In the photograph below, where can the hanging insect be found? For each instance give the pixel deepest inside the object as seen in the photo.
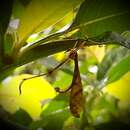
(76, 89)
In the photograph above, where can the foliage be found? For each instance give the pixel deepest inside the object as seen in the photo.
(34, 93)
(35, 29)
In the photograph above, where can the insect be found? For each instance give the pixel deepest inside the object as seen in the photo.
(75, 88)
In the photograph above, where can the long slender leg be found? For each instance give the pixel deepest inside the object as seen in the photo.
(62, 90)
(48, 73)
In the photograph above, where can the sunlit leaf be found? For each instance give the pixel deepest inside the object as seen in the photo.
(43, 13)
(98, 52)
(34, 92)
(62, 23)
(120, 88)
(119, 69)
(59, 56)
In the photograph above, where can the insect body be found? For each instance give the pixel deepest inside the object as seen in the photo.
(76, 93)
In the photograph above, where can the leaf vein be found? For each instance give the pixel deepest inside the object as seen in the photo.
(104, 18)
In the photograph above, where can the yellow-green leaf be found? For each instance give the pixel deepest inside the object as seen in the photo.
(96, 51)
(34, 92)
(43, 13)
(120, 88)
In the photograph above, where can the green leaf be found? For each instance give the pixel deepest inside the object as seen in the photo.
(44, 50)
(60, 102)
(57, 111)
(42, 12)
(99, 16)
(9, 41)
(126, 35)
(63, 22)
(24, 119)
(119, 69)
(64, 79)
(18, 9)
(113, 37)
(37, 90)
(113, 56)
(120, 88)
(53, 121)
